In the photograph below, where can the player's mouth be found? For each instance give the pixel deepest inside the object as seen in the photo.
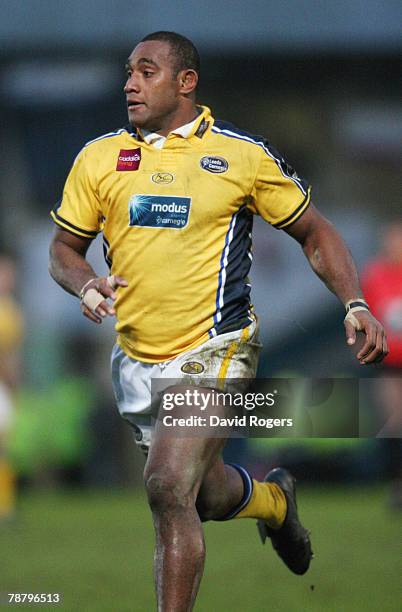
(134, 105)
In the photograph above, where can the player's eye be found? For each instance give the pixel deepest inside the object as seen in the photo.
(128, 73)
(147, 73)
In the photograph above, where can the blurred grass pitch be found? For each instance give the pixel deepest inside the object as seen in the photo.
(96, 549)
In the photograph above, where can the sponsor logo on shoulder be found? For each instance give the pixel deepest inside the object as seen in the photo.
(165, 212)
(129, 159)
(216, 165)
(192, 367)
(162, 178)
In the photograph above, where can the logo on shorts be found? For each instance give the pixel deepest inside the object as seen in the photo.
(192, 367)
(166, 212)
(216, 165)
(162, 178)
(129, 159)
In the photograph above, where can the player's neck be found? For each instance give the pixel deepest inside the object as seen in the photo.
(181, 117)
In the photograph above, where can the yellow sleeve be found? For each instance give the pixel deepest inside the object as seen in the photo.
(79, 210)
(280, 196)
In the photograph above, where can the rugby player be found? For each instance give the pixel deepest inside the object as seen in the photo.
(174, 194)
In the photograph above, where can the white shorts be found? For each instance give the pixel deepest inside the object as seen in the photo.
(233, 355)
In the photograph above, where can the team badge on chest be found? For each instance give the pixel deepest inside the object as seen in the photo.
(162, 178)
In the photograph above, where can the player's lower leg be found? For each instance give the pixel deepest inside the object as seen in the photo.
(272, 502)
(228, 492)
(173, 475)
(180, 549)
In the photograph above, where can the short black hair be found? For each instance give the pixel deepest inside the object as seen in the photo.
(183, 50)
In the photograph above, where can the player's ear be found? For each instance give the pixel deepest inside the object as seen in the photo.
(188, 80)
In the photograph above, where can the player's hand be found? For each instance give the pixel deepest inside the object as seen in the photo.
(93, 306)
(375, 347)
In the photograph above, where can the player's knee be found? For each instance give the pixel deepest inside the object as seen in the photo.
(166, 493)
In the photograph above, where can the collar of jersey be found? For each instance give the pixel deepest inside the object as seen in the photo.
(186, 131)
(183, 130)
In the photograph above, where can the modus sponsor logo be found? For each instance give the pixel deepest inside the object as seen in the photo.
(171, 208)
(129, 159)
(216, 165)
(166, 212)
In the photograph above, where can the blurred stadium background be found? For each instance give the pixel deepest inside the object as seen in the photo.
(322, 81)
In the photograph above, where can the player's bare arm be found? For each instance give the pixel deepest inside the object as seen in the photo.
(332, 262)
(69, 268)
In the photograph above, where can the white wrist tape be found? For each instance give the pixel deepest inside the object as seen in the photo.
(82, 292)
(352, 319)
(354, 306)
(92, 297)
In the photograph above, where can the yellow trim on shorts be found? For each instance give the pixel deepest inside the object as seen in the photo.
(232, 348)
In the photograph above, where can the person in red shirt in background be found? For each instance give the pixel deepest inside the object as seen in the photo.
(382, 287)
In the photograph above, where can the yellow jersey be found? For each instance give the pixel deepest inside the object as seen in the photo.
(177, 225)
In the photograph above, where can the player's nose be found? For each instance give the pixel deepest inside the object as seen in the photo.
(131, 84)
